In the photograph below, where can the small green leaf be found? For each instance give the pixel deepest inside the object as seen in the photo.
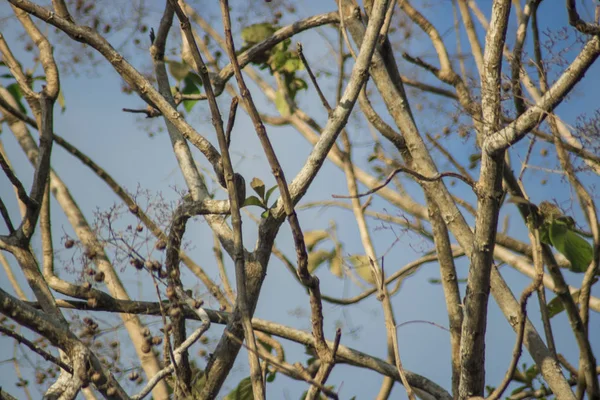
(278, 59)
(243, 391)
(282, 105)
(556, 306)
(271, 376)
(256, 33)
(519, 390)
(265, 214)
(253, 201)
(259, 187)
(291, 65)
(575, 248)
(269, 192)
(15, 91)
(189, 87)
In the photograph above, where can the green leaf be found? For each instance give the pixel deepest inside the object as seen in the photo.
(291, 65)
(282, 105)
(519, 390)
(362, 266)
(312, 238)
(556, 306)
(189, 87)
(256, 33)
(278, 59)
(253, 201)
(575, 248)
(194, 77)
(298, 84)
(316, 258)
(15, 92)
(265, 214)
(269, 193)
(271, 376)
(259, 187)
(243, 391)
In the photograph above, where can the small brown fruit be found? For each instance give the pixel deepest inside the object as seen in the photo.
(156, 340)
(171, 294)
(175, 312)
(69, 243)
(99, 277)
(137, 263)
(96, 376)
(146, 348)
(161, 245)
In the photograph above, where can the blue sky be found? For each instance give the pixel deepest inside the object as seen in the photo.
(118, 141)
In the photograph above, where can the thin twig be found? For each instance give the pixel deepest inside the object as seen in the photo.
(417, 175)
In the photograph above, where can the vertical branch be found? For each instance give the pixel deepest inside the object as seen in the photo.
(450, 285)
(471, 34)
(236, 189)
(310, 281)
(489, 194)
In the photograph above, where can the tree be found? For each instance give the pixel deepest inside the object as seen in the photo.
(458, 142)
